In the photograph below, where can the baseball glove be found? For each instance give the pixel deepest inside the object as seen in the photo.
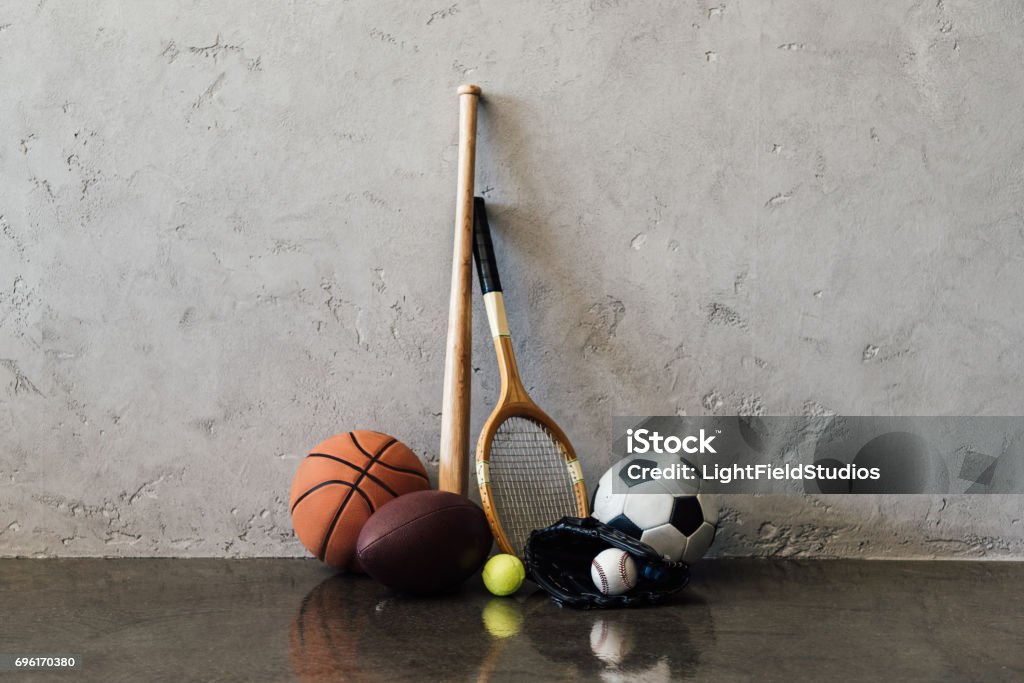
(559, 556)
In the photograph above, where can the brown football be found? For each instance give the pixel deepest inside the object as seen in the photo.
(424, 542)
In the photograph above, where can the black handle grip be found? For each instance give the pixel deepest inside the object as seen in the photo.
(483, 249)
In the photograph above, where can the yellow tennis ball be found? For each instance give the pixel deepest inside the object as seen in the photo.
(503, 618)
(504, 574)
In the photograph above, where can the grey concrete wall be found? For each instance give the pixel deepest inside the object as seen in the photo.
(225, 234)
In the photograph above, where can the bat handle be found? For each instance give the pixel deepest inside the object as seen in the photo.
(453, 474)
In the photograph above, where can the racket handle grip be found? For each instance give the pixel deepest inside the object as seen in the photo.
(483, 249)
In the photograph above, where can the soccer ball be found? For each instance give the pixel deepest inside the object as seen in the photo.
(672, 517)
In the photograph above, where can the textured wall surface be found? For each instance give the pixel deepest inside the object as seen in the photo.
(225, 235)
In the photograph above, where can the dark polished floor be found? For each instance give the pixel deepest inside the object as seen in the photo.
(281, 620)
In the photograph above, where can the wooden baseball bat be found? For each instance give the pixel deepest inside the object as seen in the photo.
(454, 452)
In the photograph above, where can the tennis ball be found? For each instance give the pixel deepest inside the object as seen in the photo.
(504, 574)
(503, 618)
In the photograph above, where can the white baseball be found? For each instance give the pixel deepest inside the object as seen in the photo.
(613, 571)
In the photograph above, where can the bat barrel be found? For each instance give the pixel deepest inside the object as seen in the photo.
(454, 449)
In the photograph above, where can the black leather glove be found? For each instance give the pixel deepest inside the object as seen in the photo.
(558, 559)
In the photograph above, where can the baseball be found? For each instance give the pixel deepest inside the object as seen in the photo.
(613, 571)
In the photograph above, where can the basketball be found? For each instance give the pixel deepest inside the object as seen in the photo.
(341, 483)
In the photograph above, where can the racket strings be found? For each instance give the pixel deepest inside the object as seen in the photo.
(531, 483)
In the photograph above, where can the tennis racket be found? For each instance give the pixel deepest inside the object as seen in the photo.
(527, 471)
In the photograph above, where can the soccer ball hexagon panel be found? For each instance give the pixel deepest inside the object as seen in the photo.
(648, 510)
(667, 540)
(680, 526)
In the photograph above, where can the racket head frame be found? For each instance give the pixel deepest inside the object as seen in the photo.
(531, 411)
(514, 401)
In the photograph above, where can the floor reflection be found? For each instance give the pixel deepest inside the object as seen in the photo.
(653, 643)
(279, 620)
(346, 629)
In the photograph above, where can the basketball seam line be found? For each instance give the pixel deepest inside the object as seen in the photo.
(600, 572)
(299, 622)
(365, 452)
(407, 470)
(355, 487)
(326, 483)
(379, 463)
(356, 468)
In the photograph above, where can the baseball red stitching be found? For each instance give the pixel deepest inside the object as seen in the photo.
(600, 572)
(622, 569)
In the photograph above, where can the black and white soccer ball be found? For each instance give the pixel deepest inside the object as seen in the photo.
(673, 517)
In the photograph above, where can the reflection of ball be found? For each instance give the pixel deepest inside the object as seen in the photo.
(324, 634)
(504, 574)
(611, 641)
(639, 644)
(613, 571)
(503, 618)
(350, 629)
(680, 526)
(341, 483)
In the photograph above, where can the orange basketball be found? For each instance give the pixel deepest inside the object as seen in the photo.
(341, 483)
